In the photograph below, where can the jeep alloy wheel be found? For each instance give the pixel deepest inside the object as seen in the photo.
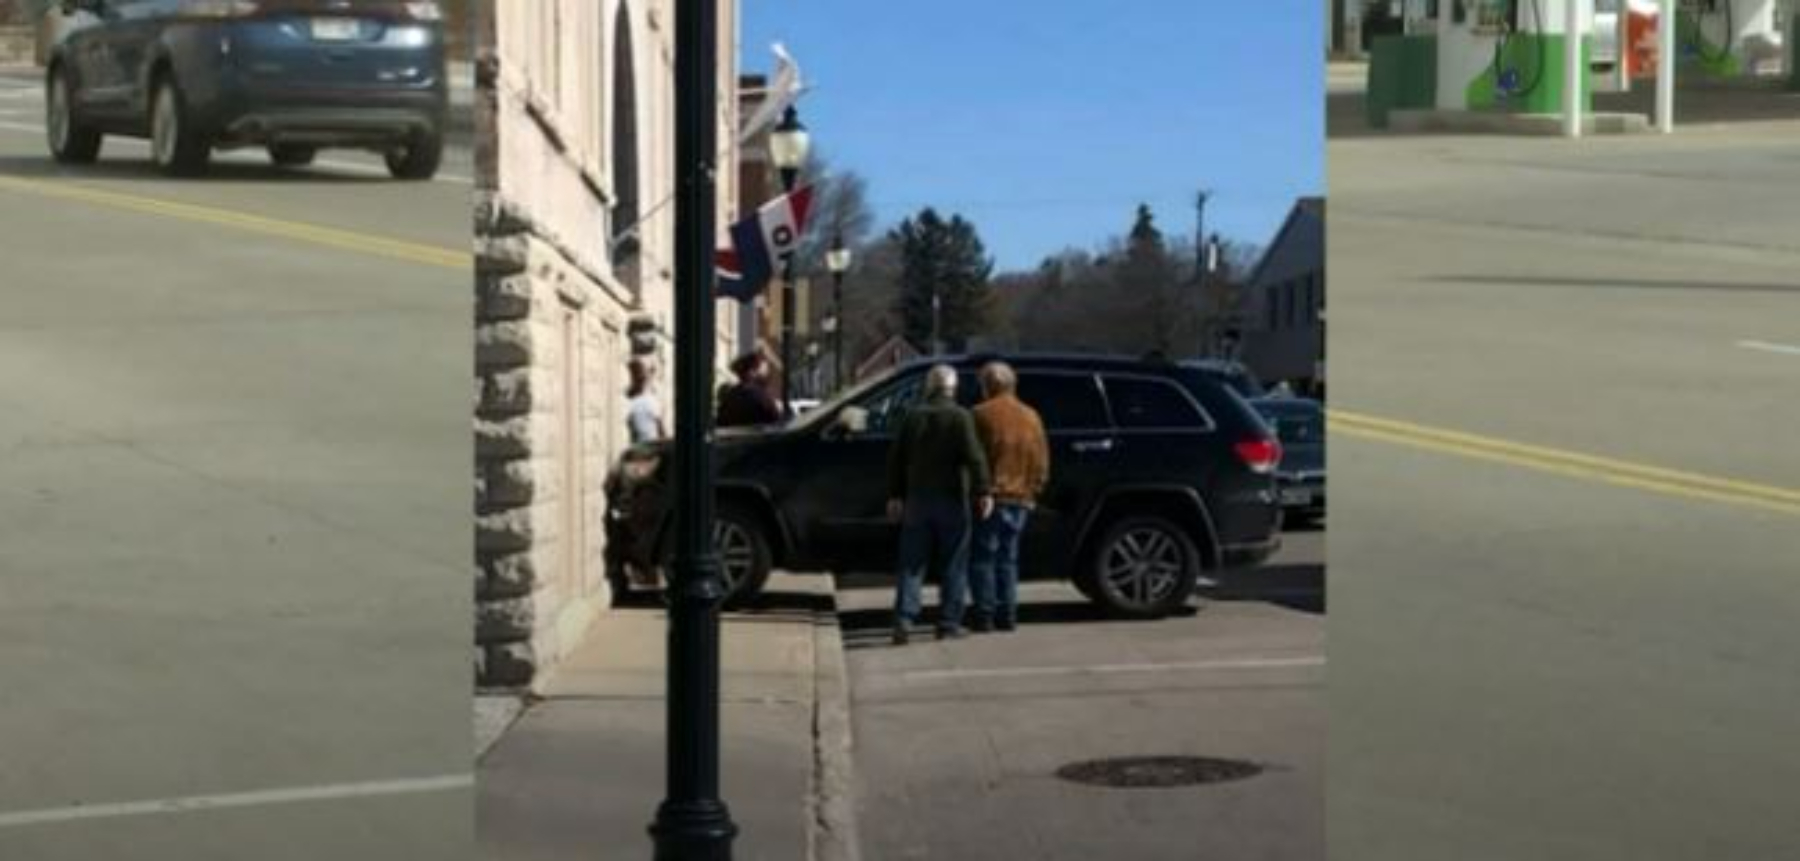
(1145, 567)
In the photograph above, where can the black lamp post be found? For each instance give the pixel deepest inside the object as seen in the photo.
(838, 260)
(693, 823)
(789, 144)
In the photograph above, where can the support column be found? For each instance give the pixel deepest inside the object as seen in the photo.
(1575, 69)
(1666, 59)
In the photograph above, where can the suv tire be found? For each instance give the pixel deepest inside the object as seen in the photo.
(418, 158)
(1143, 567)
(176, 145)
(292, 155)
(71, 141)
(745, 556)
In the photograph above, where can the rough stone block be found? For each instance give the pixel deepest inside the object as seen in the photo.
(505, 621)
(510, 343)
(518, 390)
(508, 665)
(503, 297)
(513, 575)
(521, 482)
(513, 437)
(514, 530)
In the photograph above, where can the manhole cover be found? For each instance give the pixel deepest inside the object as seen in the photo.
(1158, 771)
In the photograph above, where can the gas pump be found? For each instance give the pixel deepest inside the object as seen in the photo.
(1727, 38)
(1504, 55)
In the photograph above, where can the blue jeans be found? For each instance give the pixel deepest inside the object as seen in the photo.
(934, 534)
(994, 575)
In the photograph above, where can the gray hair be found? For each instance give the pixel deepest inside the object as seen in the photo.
(998, 378)
(940, 380)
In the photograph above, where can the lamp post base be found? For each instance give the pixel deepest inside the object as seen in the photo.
(693, 831)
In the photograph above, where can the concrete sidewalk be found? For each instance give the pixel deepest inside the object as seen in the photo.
(579, 772)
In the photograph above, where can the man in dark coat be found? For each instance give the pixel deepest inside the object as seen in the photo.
(936, 470)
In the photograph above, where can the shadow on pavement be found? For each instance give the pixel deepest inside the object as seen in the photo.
(773, 606)
(1296, 587)
(141, 170)
(871, 628)
(1619, 283)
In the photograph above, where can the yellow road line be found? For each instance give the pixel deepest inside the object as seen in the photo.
(1646, 471)
(312, 234)
(1567, 464)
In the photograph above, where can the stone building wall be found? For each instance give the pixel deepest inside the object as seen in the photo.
(561, 306)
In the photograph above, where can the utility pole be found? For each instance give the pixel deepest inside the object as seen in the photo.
(1202, 258)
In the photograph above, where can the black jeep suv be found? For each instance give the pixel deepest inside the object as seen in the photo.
(1158, 472)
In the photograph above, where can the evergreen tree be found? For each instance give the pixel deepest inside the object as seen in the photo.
(946, 260)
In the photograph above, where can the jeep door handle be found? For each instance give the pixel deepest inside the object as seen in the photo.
(1088, 446)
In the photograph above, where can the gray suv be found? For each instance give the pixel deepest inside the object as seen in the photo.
(292, 76)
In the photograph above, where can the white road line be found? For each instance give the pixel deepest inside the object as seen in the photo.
(1765, 346)
(260, 798)
(1119, 669)
(334, 164)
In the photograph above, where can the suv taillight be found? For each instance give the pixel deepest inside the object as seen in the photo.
(1260, 454)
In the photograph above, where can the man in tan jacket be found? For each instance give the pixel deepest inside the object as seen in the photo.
(1018, 454)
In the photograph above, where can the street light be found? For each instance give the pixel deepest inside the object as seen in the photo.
(693, 822)
(789, 145)
(838, 260)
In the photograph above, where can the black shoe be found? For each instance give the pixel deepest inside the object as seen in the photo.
(902, 636)
(1007, 625)
(951, 633)
(980, 625)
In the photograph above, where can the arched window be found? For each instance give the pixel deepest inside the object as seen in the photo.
(625, 211)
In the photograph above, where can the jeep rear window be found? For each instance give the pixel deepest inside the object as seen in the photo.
(1146, 403)
(1064, 401)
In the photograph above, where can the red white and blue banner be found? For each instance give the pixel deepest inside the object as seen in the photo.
(760, 245)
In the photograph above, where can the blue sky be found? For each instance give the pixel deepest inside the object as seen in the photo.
(1046, 122)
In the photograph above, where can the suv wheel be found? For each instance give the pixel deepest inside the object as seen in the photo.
(71, 142)
(745, 557)
(418, 158)
(292, 155)
(177, 146)
(1144, 567)
(744, 554)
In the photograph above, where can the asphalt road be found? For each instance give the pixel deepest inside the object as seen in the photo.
(234, 459)
(957, 744)
(1565, 496)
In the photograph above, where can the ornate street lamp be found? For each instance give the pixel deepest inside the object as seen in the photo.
(838, 260)
(693, 822)
(789, 144)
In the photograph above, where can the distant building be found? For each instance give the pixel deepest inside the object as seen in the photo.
(1283, 316)
(892, 353)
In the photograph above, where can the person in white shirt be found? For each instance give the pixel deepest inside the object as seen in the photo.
(643, 412)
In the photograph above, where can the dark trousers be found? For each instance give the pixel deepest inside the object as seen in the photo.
(934, 535)
(994, 575)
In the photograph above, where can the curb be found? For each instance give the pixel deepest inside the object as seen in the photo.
(832, 834)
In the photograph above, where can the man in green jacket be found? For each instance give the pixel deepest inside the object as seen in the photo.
(936, 468)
